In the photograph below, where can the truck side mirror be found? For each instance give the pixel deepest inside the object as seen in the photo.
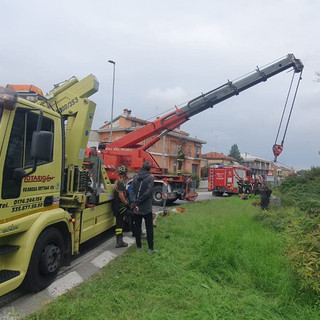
(19, 173)
(42, 145)
(41, 150)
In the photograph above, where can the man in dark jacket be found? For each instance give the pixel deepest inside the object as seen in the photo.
(141, 197)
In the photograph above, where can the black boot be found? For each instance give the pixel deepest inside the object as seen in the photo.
(120, 242)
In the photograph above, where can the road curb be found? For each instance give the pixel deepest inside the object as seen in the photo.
(69, 277)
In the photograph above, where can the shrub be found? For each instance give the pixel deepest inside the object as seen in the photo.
(299, 220)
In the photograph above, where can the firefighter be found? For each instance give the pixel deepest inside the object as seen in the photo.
(247, 187)
(120, 205)
(180, 159)
(240, 186)
(255, 187)
(265, 194)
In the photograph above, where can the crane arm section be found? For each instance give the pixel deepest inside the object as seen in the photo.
(230, 89)
(208, 100)
(71, 101)
(168, 122)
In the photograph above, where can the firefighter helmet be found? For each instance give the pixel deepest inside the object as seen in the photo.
(122, 170)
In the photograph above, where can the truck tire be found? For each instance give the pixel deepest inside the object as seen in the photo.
(157, 196)
(46, 260)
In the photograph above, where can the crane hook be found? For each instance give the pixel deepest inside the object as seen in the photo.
(277, 149)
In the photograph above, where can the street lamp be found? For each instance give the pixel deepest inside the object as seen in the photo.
(114, 75)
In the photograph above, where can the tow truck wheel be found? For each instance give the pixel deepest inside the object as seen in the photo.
(157, 196)
(46, 260)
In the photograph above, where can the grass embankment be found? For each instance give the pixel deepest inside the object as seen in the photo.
(215, 262)
(298, 220)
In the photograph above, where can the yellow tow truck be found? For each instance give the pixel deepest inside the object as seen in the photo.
(50, 202)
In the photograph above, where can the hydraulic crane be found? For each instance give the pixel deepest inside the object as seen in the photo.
(128, 151)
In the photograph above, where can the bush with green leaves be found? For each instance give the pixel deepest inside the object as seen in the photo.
(299, 221)
(303, 189)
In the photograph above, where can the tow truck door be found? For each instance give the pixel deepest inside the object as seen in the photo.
(21, 197)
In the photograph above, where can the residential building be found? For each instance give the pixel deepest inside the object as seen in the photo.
(164, 151)
(257, 165)
(277, 174)
(218, 158)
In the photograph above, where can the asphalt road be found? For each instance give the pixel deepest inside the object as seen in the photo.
(95, 254)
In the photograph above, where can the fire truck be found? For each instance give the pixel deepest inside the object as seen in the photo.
(224, 179)
(50, 201)
(129, 150)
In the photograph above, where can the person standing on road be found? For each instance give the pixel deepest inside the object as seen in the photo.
(141, 197)
(120, 205)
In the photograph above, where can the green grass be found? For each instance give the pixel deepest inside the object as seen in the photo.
(298, 220)
(215, 262)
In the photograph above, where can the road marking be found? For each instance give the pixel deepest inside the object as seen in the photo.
(62, 285)
(103, 259)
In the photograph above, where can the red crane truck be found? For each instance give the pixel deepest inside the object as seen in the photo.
(128, 149)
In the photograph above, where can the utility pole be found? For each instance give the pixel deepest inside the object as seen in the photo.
(114, 76)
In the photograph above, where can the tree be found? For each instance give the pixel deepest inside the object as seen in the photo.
(235, 153)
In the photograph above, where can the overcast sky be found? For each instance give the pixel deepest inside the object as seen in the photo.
(168, 52)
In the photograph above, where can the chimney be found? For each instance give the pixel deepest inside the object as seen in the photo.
(126, 112)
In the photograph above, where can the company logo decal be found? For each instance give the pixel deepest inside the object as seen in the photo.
(38, 178)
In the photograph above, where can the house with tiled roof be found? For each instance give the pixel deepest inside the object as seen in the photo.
(218, 158)
(215, 158)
